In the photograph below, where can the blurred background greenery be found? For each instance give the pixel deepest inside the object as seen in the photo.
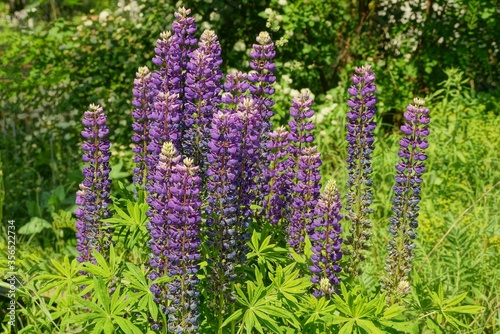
(57, 57)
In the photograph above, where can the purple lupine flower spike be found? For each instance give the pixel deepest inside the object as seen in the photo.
(278, 176)
(183, 44)
(360, 138)
(406, 199)
(184, 206)
(93, 197)
(262, 78)
(165, 115)
(305, 195)
(326, 241)
(157, 225)
(144, 91)
(234, 89)
(202, 92)
(301, 124)
(222, 202)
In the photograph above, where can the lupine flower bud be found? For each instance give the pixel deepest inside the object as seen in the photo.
(93, 197)
(326, 241)
(360, 138)
(406, 199)
(305, 195)
(144, 92)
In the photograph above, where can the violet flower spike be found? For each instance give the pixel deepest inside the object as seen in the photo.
(278, 176)
(223, 204)
(165, 115)
(93, 197)
(300, 124)
(262, 78)
(157, 224)
(360, 138)
(406, 199)
(202, 92)
(326, 242)
(183, 44)
(183, 225)
(305, 195)
(144, 91)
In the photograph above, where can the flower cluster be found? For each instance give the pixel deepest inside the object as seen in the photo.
(93, 197)
(222, 201)
(165, 115)
(144, 92)
(300, 124)
(202, 92)
(305, 194)
(183, 225)
(360, 138)
(262, 77)
(407, 196)
(158, 213)
(278, 176)
(326, 241)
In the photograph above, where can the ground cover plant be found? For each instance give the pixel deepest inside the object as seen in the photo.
(225, 229)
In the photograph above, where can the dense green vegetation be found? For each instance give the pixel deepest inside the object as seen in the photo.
(57, 58)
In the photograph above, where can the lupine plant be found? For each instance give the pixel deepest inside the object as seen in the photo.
(225, 193)
(360, 138)
(406, 199)
(93, 197)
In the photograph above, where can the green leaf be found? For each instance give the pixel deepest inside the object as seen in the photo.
(469, 309)
(347, 328)
(234, 317)
(34, 226)
(127, 326)
(369, 326)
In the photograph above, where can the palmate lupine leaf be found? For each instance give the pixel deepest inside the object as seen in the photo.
(314, 313)
(106, 314)
(136, 279)
(258, 310)
(63, 281)
(358, 313)
(266, 252)
(288, 282)
(130, 224)
(102, 268)
(446, 307)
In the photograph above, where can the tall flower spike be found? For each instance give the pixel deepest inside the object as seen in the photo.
(183, 251)
(165, 115)
(157, 225)
(93, 197)
(183, 43)
(406, 199)
(203, 88)
(326, 241)
(144, 91)
(300, 124)
(360, 138)
(305, 195)
(223, 206)
(262, 78)
(278, 176)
